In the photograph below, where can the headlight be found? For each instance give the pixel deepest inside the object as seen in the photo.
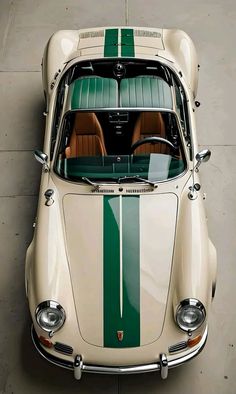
(190, 314)
(50, 316)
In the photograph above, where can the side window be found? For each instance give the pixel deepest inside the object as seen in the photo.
(182, 110)
(57, 115)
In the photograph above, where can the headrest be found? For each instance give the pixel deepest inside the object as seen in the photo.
(86, 123)
(151, 123)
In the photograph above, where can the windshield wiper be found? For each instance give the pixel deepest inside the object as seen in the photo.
(89, 182)
(137, 178)
(120, 180)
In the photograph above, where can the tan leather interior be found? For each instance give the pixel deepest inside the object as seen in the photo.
(87, 137)
(150, 124)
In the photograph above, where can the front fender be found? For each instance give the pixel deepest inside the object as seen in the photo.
(193, 258)
(48, 274)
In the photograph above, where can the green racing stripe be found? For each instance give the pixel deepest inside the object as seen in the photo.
(111, 43)
(127, 42)
(121, 277)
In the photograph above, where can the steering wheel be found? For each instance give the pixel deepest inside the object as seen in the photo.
(152, 140)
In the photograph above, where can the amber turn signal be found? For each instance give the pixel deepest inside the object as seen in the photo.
(194, 341)
(46, 342)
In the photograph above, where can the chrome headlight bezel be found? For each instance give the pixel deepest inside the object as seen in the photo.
(50, 307)
(194, 305)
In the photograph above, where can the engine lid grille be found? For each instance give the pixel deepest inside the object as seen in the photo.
(147, 33)
(92, 34)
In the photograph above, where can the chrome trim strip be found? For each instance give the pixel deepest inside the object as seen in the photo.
(121, 109)
(119, 370)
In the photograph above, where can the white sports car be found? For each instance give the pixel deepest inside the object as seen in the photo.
(121, 272)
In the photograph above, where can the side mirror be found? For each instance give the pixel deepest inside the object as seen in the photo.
(41, 158)
(202, 157)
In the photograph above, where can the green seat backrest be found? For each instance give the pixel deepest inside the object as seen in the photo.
(145, 91)
(94, 92)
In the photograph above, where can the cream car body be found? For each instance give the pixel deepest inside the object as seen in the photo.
(120, 256)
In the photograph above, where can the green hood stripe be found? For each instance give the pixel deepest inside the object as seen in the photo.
(111, 43)
(111, 270)
(129, 322)
(127, 42)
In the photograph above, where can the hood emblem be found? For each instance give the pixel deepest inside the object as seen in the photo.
(120, 335)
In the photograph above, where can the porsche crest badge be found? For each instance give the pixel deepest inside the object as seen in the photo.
(120, 335)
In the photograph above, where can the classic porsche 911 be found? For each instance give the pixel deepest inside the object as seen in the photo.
(121, 272)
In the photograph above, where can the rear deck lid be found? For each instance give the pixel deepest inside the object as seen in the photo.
(120, 41)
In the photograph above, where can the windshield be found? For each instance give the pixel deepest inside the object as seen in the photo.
(119, 146)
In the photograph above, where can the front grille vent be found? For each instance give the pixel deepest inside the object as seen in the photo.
(178, 347)
(147, 33)
(92, 34)
(62, 348)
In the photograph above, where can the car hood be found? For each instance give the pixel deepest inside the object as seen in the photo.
(120, 255)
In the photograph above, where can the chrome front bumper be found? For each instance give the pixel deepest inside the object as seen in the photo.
(79, 367)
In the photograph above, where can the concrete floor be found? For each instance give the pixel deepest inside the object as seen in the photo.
(25, 26)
